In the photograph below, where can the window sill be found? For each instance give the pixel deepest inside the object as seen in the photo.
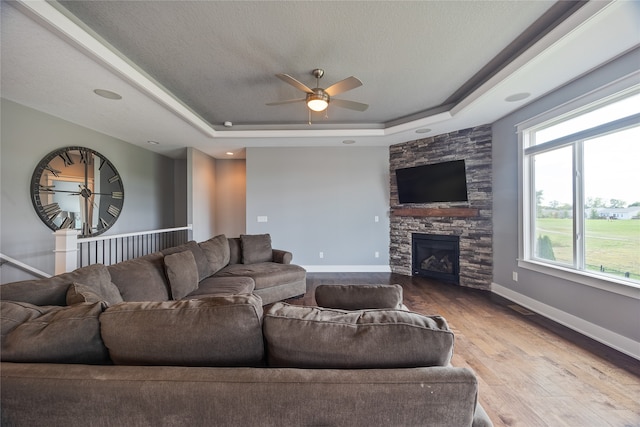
(584, 278)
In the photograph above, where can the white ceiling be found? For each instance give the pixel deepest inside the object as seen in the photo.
(183, 68)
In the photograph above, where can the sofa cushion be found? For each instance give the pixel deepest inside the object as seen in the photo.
(222, 331)
(15, 313)
(216, 250)
(52, 334)
(358, 297)
(53, 290)
(182, 273)
(256, 248)
(79, 293)
(204, 270)
(222, 286)
(265, 274)
(141, 279)
(314, 337)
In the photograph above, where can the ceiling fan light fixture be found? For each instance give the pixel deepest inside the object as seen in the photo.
(317, 101)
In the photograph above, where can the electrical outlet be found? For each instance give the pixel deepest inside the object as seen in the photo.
(321, 254)
(377, 254)
(376, 218)
(263, 219)
(515, 276)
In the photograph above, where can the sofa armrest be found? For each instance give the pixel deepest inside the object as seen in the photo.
(282, 257)
(480, 417)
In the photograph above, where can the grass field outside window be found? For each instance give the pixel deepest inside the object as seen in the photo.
(611, 246)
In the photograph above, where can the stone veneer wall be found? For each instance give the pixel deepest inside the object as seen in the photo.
(476, 233)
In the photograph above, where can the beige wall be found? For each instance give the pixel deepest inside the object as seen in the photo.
(201, 194)
(231, 197)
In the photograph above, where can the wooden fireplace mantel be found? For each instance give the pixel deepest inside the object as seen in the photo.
(436, 212)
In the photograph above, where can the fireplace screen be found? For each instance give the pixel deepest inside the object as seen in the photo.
(436, 256)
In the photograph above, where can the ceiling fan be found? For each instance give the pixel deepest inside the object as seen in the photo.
(318, 99)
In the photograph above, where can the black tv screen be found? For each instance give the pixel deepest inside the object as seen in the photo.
(439, 182)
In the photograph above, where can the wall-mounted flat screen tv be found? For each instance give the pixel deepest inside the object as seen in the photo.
(438, 182)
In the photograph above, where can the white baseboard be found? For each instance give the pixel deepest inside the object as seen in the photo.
(347, 268)
(612, 339)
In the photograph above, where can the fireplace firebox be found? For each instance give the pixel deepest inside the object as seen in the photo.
(436, 256)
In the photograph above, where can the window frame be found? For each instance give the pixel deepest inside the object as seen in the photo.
(613, 92)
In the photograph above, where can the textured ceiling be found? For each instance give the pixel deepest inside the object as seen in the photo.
(220, 57)
(184, 68)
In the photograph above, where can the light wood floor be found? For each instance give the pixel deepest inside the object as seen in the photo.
(532, 371)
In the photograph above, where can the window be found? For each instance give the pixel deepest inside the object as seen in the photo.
(581, 189)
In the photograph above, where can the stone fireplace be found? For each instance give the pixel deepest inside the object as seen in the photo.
(468, 222)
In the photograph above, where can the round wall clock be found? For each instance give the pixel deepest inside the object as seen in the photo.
(77, 188)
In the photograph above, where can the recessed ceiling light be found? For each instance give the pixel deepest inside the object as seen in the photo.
(229, 153)
(348, 141)
(153, 142)
(107, 94)
(517, 97)
(423, 130)
(228, 124)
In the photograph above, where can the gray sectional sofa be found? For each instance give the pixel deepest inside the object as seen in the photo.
(216, 267)
(210, 359)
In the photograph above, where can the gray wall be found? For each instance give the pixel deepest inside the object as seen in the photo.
(322, 200)
(27, 136)
(180, 191)
(606, 316)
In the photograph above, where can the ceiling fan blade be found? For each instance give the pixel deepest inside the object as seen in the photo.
(293, 82)
(343, 86)
(288, 101)
(352, 105)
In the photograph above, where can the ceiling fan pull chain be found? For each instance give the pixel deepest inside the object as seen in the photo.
(309, 111)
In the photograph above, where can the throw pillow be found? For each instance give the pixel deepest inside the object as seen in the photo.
(216, 250)
(52, 334)
(141, 279)
(79, 293)
(217, 331)
(182, 273)
(202, 262)
(256, 248)
(314, 337)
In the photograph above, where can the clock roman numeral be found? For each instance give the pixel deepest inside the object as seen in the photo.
(104, 223)
(52, 210)
(55, 172)
(66, 158)
(84, 156)
(117, 195)
(67, 223)
(113, 211)
(114, 178)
